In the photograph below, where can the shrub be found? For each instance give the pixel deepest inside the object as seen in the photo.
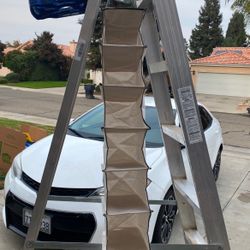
(21, 63)
(13, 77)
(44, 72)
(98, 88)
(3, 80)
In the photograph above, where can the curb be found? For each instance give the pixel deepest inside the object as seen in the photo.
(52, 91)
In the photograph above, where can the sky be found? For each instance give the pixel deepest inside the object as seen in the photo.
(17, 23)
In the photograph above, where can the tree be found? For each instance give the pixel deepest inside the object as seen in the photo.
(241, 5)
(47, 51)
(208, 33)
(50, 56)
(2, 47)
(42, 61)
(94, 55)
(21, 63)
(14, 44)
(236, 33)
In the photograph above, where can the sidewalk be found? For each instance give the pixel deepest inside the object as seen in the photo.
(28, 118)
(40, 117)
(225, 104)
(53, 91)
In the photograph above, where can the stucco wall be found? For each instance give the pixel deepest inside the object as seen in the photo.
(96, 76)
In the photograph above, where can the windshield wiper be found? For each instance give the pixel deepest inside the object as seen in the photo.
(95, 137)
(86, 136)
(75, 132)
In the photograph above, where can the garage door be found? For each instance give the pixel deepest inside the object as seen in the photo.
(223, 84)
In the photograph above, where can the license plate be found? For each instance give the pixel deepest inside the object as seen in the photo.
(45, 224)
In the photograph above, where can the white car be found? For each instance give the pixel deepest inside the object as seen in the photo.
(79, 174)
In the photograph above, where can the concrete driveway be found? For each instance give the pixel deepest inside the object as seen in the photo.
(234, 190)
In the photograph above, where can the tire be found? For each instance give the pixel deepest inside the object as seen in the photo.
(165, 220)
(216, 168)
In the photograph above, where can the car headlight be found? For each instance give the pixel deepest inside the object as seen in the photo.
(98, 192)
(16, 168)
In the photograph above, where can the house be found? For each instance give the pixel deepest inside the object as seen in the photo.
(225, 72)
(67, 50)
(22, 47)
(4, 71)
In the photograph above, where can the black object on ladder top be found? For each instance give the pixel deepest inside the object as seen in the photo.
(42, 9)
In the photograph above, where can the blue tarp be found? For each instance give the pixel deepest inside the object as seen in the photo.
(42, 9)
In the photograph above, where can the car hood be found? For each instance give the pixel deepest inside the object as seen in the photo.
(80, 164)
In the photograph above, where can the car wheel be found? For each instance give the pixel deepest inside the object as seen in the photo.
(165, 220)
(216, 168)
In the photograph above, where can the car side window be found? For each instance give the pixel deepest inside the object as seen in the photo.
(206, 118)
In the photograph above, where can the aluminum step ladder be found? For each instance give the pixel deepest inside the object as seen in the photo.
(201, 196)
(198, 195)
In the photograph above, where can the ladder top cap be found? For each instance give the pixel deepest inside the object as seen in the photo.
(122, 8)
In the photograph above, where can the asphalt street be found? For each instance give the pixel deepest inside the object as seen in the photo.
(44, 105)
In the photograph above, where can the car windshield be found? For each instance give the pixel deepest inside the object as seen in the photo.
(90, 126)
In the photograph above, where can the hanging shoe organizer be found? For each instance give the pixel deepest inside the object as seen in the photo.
(125, 169)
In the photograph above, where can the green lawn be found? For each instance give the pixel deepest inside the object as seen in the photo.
(1, 181)
(38, 85)
(17, 125)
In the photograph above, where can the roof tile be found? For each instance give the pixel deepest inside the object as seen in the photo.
(226, 55)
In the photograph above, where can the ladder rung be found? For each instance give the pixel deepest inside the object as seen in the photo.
(99, 200)
(174, 132)
(63, 245)
(188, 192)
(158, 67)
(184, 247)
(75, 199)
(194, 237)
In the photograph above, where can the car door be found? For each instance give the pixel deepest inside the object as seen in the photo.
(212, 131)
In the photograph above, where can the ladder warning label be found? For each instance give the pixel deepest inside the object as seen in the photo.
(190, 115)
(80, 50)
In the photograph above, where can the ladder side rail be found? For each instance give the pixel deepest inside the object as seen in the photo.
(161, 93)
(180, 75)
(160, 89)
(77, 67)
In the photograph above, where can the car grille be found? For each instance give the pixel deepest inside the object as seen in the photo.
(83, 192)
(67, 227)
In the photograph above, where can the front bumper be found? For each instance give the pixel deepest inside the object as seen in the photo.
(70, 227)
(70, 221)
